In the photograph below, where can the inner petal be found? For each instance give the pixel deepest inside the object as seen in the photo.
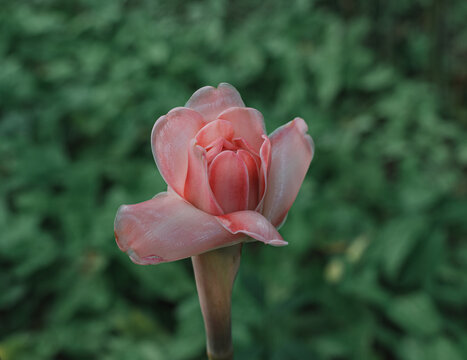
(248, 124)
(228, 177)
(197, 189)
(241, 143)
(217, 129)
(253, 178)
(216, 147)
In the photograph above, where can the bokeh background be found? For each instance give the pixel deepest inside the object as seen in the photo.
(377, 262)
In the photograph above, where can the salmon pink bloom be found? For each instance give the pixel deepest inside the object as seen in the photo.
(227, 180)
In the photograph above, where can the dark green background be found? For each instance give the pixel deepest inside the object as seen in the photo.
(377, 262)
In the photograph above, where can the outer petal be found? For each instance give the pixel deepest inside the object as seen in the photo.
(228, 177)
(291, 154)
(253, 224)
(170, 139)
(167, 228)
(248, 124)
(197, 189)
(210, 102)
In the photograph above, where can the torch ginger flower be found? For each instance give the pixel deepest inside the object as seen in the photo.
(227, 180)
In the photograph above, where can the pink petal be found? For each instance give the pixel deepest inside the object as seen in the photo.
(241, 143)
(213, 131)
(253, 178)
(265, 155)
(248, 124)
(228, 177)
(253, 224)
(210, 102)
(167, 228)
(215, 148)
(170, 139)
(197, 190)
(291, 154)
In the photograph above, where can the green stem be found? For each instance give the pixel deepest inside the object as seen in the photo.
(215, 272)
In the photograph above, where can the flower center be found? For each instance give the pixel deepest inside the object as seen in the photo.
(233, 167)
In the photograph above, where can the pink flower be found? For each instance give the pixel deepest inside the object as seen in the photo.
(227, 180)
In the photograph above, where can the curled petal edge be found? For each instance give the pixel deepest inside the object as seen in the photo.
(253, 224)
(168, 228)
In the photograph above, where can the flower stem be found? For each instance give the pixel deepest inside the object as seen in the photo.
(215, 272)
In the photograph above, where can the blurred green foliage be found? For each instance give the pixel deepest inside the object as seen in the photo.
(377, 262)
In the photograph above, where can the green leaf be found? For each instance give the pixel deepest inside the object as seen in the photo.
(415, 314)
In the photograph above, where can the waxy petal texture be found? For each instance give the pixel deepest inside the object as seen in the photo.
(228, 177)
(170, 139)
(210, 102)
(197, 189)
(253, 224)
(167, 228)
(291, 154)
(248, 124)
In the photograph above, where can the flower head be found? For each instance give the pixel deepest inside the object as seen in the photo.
(227, 180)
